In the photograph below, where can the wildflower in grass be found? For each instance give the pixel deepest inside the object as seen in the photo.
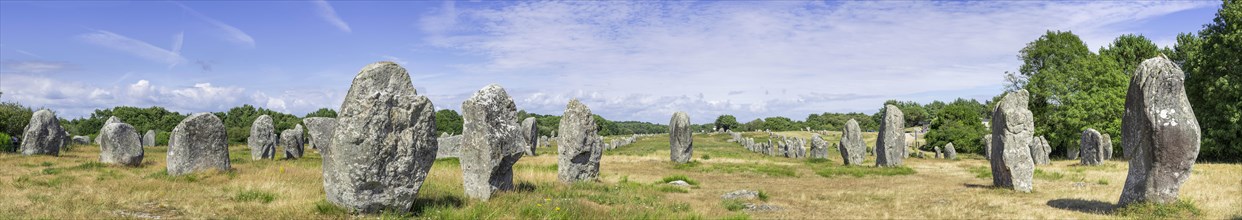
(558, 208)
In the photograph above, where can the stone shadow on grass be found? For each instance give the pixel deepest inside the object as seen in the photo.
(424, 203)
(981, 186)
(1084, 206)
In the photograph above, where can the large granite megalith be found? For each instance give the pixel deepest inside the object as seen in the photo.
(198, 143)
(1160, 131)
(1089, 151)
(262, 140)
(293, 142)
(43, 135)
(853, 148)
(491, 142)
(1013, 129)
(680, 138)
(891, 144)
(579, 147)
(383, 145)
(119, 144)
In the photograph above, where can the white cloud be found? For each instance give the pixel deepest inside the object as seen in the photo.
(32, 66)
(134, 47)
(228, 32)
(325, 11)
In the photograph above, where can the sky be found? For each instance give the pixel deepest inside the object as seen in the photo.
(637, 61)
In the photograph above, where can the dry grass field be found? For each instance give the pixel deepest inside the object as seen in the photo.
(75, 186)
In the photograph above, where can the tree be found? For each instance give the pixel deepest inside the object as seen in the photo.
(779, 124)
(13, 118)
(1213, 66)
(727, 122)
(322, 112)
(958, 123)
(448, 121)
(1129, 50)
(1072, 89)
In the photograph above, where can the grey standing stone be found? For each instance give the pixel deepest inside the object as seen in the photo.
(938, 154)
(148, 140)
(198, 143)
(43, 135)
(1161, 133)
(81, 140)
(293, 142)
(530, 135)
(320, 130)
(450, 147)
(1013, 129)
(262, 140)
(853, 148)
(1090, 152)
(891, 143)
(491, 142)
(384, 143)
(680, 140)
(111, 119)
(987, 146)
(819, 147)
(1039, 154)
(949, 152)
(1106, 146)
(579, 148)
(119, 144)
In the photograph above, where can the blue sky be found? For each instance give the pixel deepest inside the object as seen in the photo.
(626, 60)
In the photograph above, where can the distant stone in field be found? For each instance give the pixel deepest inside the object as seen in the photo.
(1039, 154)
(43, 134)
(1161, 133)
(293, 142)
(491, 142)
(579, 147)
(1106, 146)
(111, 119)
(81, 139)
(198, 143)
(987, 147)
(819, 147)
(949, 152)
(119, 144)
(680, 183)
(853, 149)
(891, 144)
(530, 135)
(741, 194)
(681, 144)
(1013, 128)
(320, 130)
(1090, 148)
(384, 143)
(450, 147)
(148, 140)
(938, 154)
(262, 140)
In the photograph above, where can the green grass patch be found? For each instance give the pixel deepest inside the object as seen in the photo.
(1045, 175)
(818, 160)
(763, 196)
(1182, 209)
(707, 157)
(677, 177)
(733, 204)
(452, 161)
(980, 172)
(323, 207)
(255, 195)
(90, 166)
(672, 189)
(861, 171)
(687, 165)
(52, 171)
(1102, 182)
(46, 164)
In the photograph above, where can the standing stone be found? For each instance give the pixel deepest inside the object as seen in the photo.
(938, 154)
(111, 119)
(680, 141)
(530, 135)
(891, 145)
(819, 147)
(383, 145)
(81, 140)
(579, 148)
(852, 147)
(43, 135)
(320, 130)
(1039, 154)
(293, 142)
(1106, 146)
(491, 142)
(1013, 128)
(949, 152)
(987, 146)
(262, 140)
(148, 140)
(198, 143)
(1090, 151)
(449, 147)
(119, 144)
(1161, 133)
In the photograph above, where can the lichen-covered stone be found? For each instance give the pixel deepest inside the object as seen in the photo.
(853, 148)
(680, 140)
(119, 144)
(1013, 129)
(579, 148)
(198, 143)
(1161, 133)
(491, 142)
(43, 135)
(1090, 152)
(262, 140)
(293, 142)
(891, 144)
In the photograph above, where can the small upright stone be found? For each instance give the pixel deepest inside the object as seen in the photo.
(148, 140)
(1106, 146)
(291, 139)
(81, 140)
(119, 144)
(198, 143)
(987, 147)
(680, 141)
(949, 152)
(819, 147)
(938, 154)
(491, 142)
(320, 130)
(891, 144)
(1013, 128)
(1161, 133)
(262, 140)
(853, 149)
(1090, 152)
(1039, 154)
(43, 135)
(530, 135)
(383, 145)
(579, 148)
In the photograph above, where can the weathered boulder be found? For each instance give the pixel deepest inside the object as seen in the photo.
(949, 152)
(43, 135)
(262, 140)
(579, 148)
(148, 139)
(491, 142)
(1039, 154)
(987, 146)
(1106, 146)
(680, 141)
(450, 147)
(81, 140)
(1013, 129)
(293, 142)
(530, 135)
(119, 144)
(1090, 151)
(938, 154)
(198, 143)
(819, 147)
(1161, 133)
(320, 130)
(891, 144)
(741, 194)
(111, 119)
(853, 149)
